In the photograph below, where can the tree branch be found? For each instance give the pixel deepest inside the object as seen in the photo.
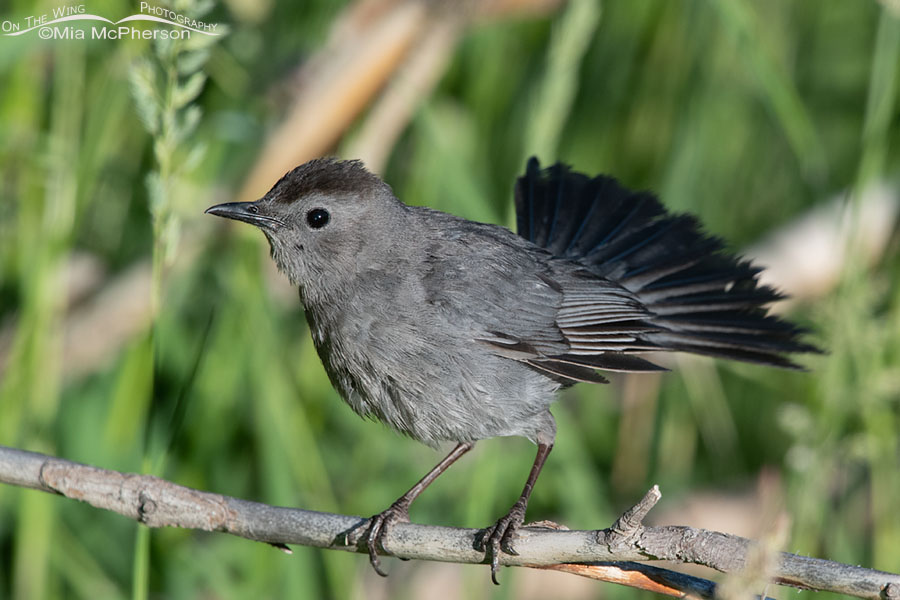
(159, 503)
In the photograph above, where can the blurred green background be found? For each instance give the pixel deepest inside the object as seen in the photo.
(138, 334)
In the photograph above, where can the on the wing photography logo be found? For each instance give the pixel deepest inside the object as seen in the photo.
(62, 23)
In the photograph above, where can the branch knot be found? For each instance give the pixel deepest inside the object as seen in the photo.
(627, 528)
(146, 506)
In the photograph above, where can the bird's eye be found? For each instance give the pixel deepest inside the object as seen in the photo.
(317, 218)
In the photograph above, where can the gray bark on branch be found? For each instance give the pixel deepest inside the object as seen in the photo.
(156, 502)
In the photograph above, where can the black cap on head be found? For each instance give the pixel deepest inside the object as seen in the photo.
(326, 175)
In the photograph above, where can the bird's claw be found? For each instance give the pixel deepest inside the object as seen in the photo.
(377, 527)
(499, 537)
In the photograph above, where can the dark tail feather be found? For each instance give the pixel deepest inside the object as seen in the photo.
(703, 299)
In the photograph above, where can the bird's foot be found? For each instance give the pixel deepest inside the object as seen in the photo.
(376, 528)
(498, 537)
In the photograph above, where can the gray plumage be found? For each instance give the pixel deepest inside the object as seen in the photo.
(450, 330)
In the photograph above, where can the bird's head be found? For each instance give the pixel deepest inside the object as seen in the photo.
(325, 221)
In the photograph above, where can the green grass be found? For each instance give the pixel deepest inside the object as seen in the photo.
(745, 113)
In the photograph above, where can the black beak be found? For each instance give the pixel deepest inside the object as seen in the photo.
(248, 212)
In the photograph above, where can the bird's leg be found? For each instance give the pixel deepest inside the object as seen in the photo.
(499, 536)
(398, 512)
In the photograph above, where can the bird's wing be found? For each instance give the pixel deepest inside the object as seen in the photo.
(595, 324)
(553, 315)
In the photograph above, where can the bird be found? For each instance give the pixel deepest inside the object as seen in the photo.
(449, 330)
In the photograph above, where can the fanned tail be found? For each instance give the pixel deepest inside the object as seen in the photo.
(701, 299)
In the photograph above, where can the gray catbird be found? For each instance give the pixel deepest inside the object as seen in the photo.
(450, 330)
